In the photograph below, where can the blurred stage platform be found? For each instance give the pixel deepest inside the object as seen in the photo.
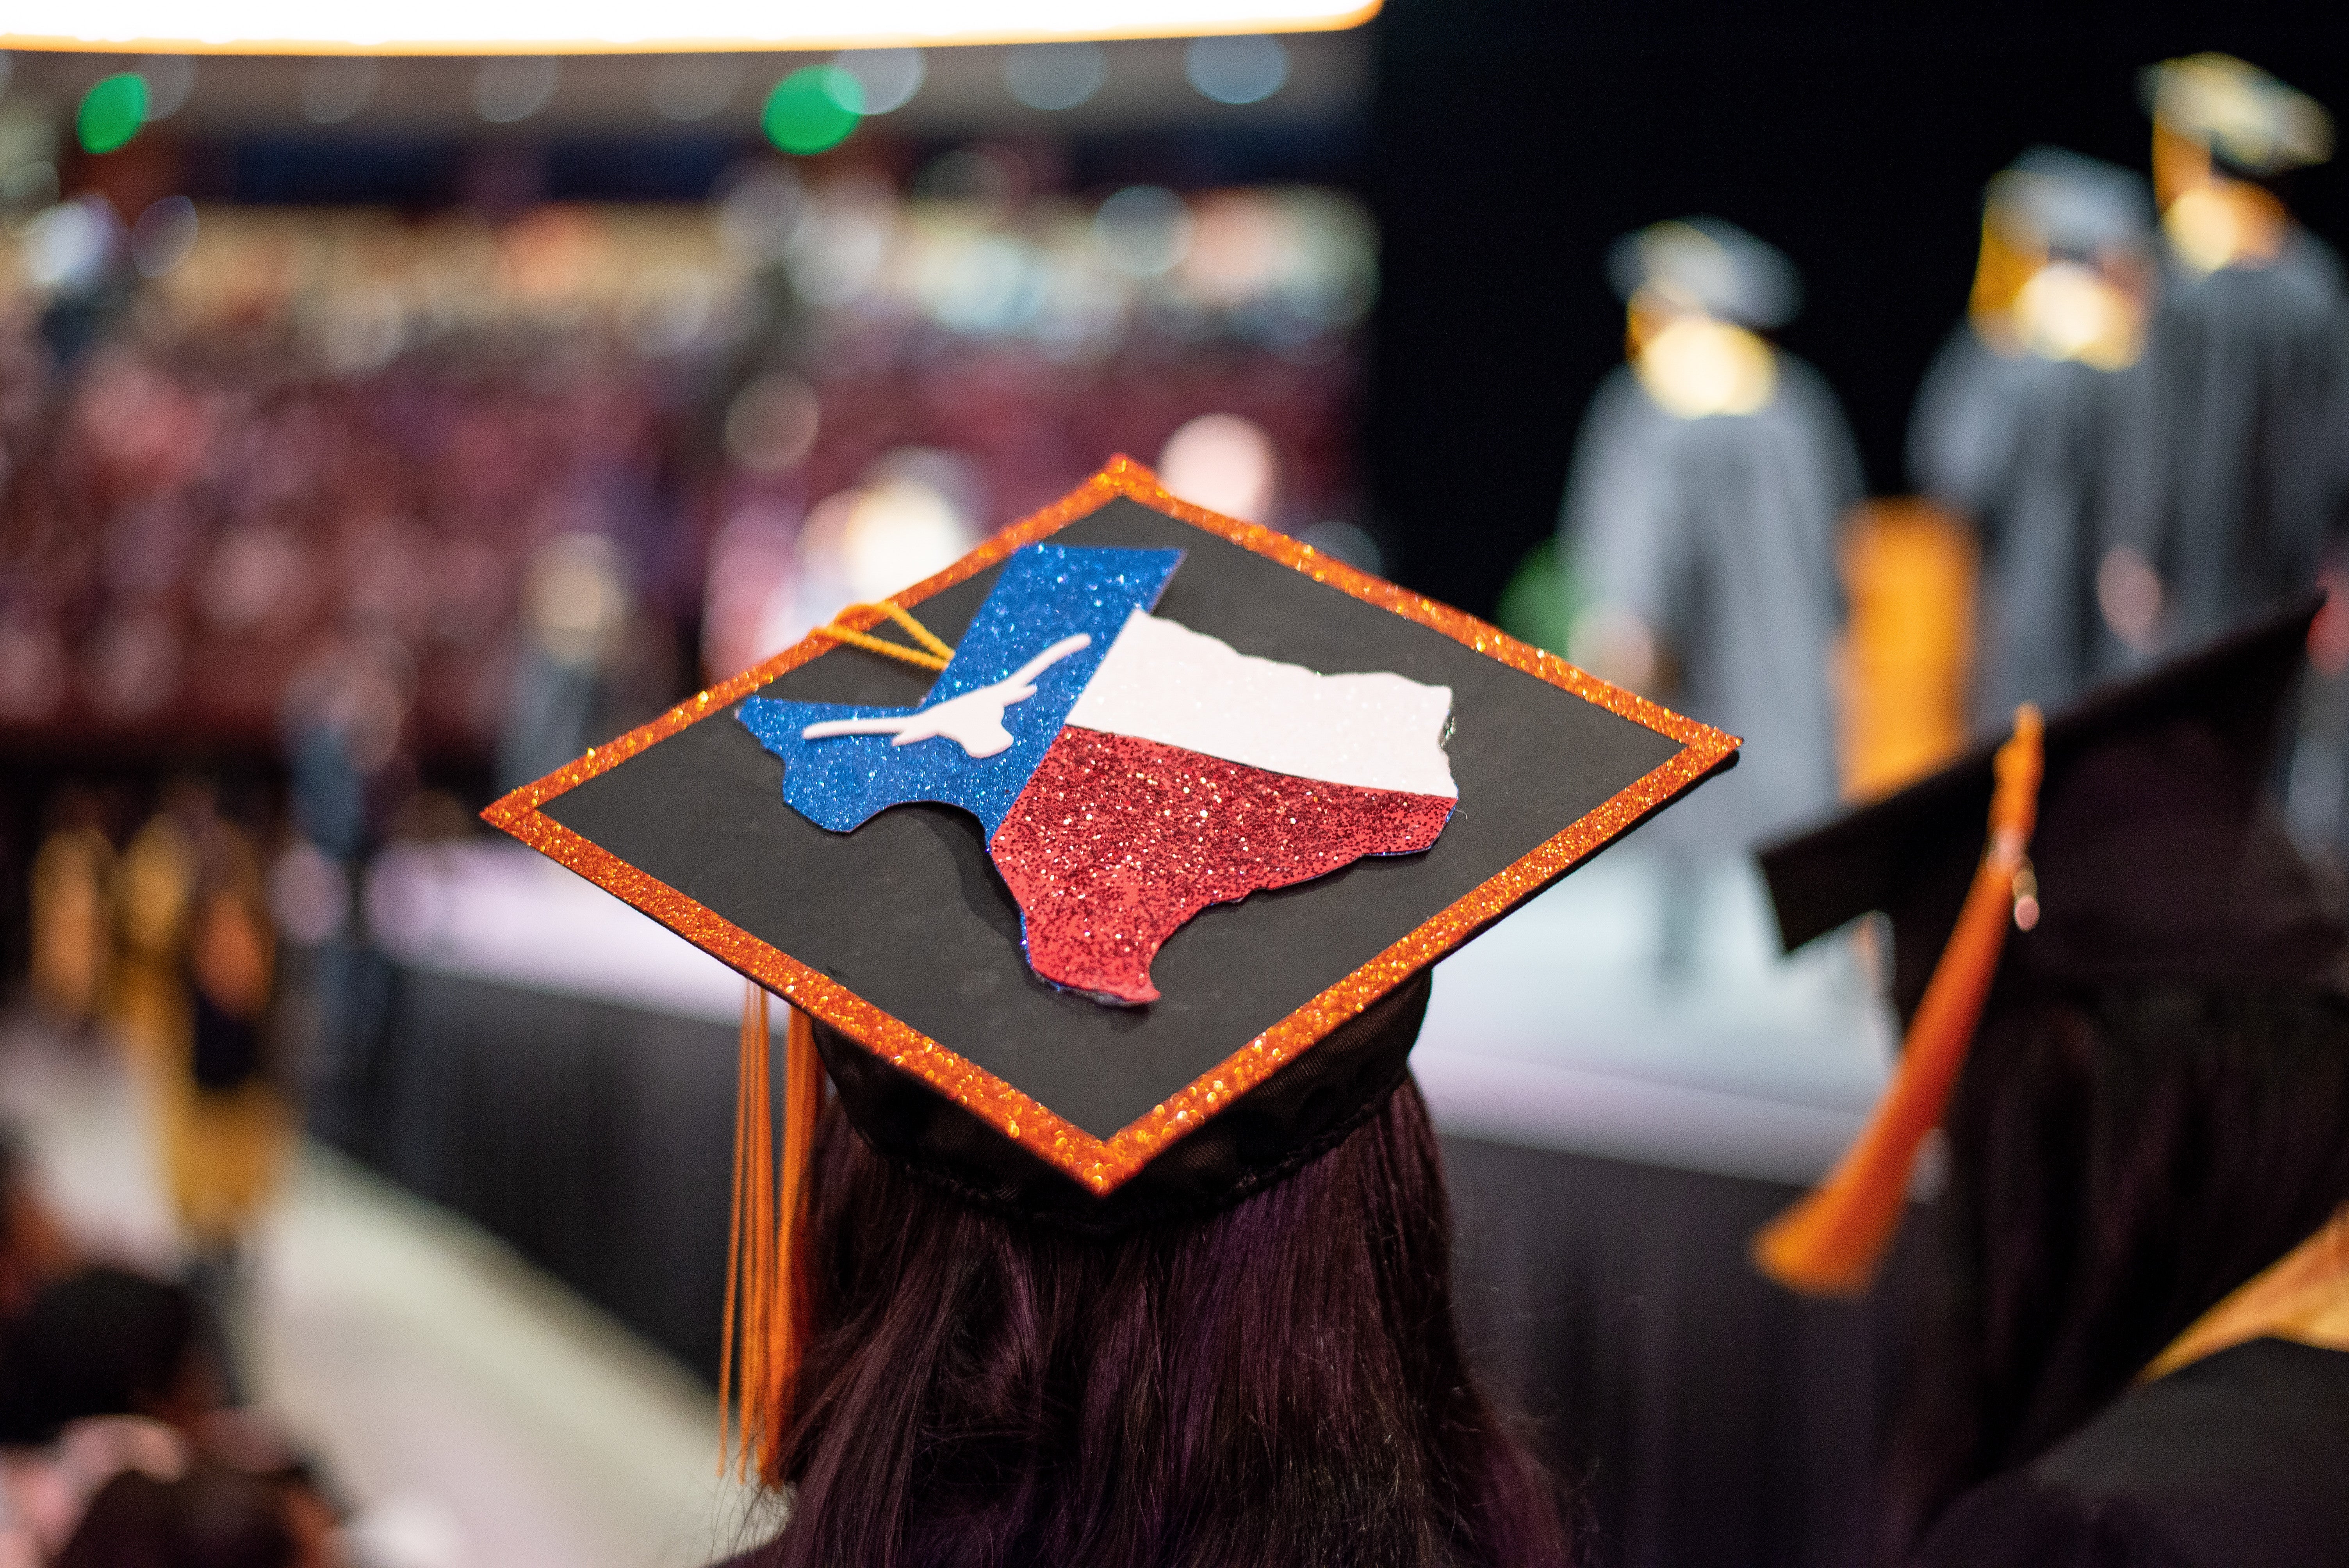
(1552, 1030)
(560, 1069)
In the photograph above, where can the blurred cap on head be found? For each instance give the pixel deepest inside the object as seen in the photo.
(2250, 122)
(2159, 856)
(1709, 265)
(2065, 202)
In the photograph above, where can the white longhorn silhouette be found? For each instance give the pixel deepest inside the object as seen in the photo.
(973, 721)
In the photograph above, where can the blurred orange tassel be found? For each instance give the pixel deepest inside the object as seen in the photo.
(765, 1304)
(1831, 1242)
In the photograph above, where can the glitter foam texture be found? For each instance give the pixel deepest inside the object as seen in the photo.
(1167, 683)
(1103, 1164)
(1118, 841)
(1046, 591)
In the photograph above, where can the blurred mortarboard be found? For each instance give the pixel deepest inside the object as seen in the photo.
(2157, 859)
(2158, 855)
(2065, 202)
(1076, 912)
(2250, 122)
(1704, 263)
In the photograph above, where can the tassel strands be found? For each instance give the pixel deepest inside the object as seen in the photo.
(933, 654)
(765, 1303)
(1831, 1242)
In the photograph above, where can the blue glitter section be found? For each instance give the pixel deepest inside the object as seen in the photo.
(1046, 591)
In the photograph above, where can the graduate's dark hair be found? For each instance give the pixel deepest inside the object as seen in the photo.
(1275, 1386)
(2120, 1160)
(102, 1342)
(210, 1518)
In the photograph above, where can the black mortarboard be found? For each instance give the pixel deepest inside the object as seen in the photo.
(1018, 985)
(2159, 854)
(2155, 858)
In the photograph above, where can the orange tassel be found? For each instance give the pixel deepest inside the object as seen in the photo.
(1832, 1241)
(765, 1305)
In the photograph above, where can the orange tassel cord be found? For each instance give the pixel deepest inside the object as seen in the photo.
(766, 1305)
(1832, 1241)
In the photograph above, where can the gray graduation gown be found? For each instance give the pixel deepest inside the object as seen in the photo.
(1720, 533)
(2030, 453)
(2244, 474)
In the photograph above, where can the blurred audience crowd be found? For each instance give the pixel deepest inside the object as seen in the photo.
(122, 1445)
(314, 443)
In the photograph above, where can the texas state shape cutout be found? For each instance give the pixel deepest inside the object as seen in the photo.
(1128, 771)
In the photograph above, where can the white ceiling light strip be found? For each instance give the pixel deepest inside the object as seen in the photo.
(590, 26)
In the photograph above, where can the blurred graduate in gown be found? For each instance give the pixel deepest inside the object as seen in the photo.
(1700, 517)
(2031, 413)
(2249, 361)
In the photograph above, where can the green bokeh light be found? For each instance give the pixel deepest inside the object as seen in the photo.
(813, 110)
(112, 112)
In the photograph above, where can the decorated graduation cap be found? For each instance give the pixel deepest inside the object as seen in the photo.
(1102, 868)
(2052, 200)
(2130, 842)
(1709, 265)
(2245, 118)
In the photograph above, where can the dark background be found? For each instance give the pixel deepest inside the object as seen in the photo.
(1512, 140)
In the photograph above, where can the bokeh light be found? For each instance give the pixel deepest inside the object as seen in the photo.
(1246, 70)
(759, 210)
(163, 236)
(770, 425)
(170, 79)
(112, 110)
(1224, 463)
(890, 77)
(335, 89)
(575, 597)
(1055, 76)
(695, 87)
(508, 89)
(813, 110)
(896, 533)
(1144, 230)
(69, 247)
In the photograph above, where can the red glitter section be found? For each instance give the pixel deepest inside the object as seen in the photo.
(1117, 840)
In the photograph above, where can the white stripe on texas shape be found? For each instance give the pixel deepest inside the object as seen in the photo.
(1162, 681)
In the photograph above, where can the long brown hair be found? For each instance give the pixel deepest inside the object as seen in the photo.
(2120, 1160)
(1276, 1386)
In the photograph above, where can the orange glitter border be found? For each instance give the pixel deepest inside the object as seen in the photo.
(1102, 1164)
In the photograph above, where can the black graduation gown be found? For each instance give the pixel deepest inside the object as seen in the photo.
(2239, 1460)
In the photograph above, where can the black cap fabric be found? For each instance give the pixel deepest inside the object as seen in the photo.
(1042, 956)
(2158, 855)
